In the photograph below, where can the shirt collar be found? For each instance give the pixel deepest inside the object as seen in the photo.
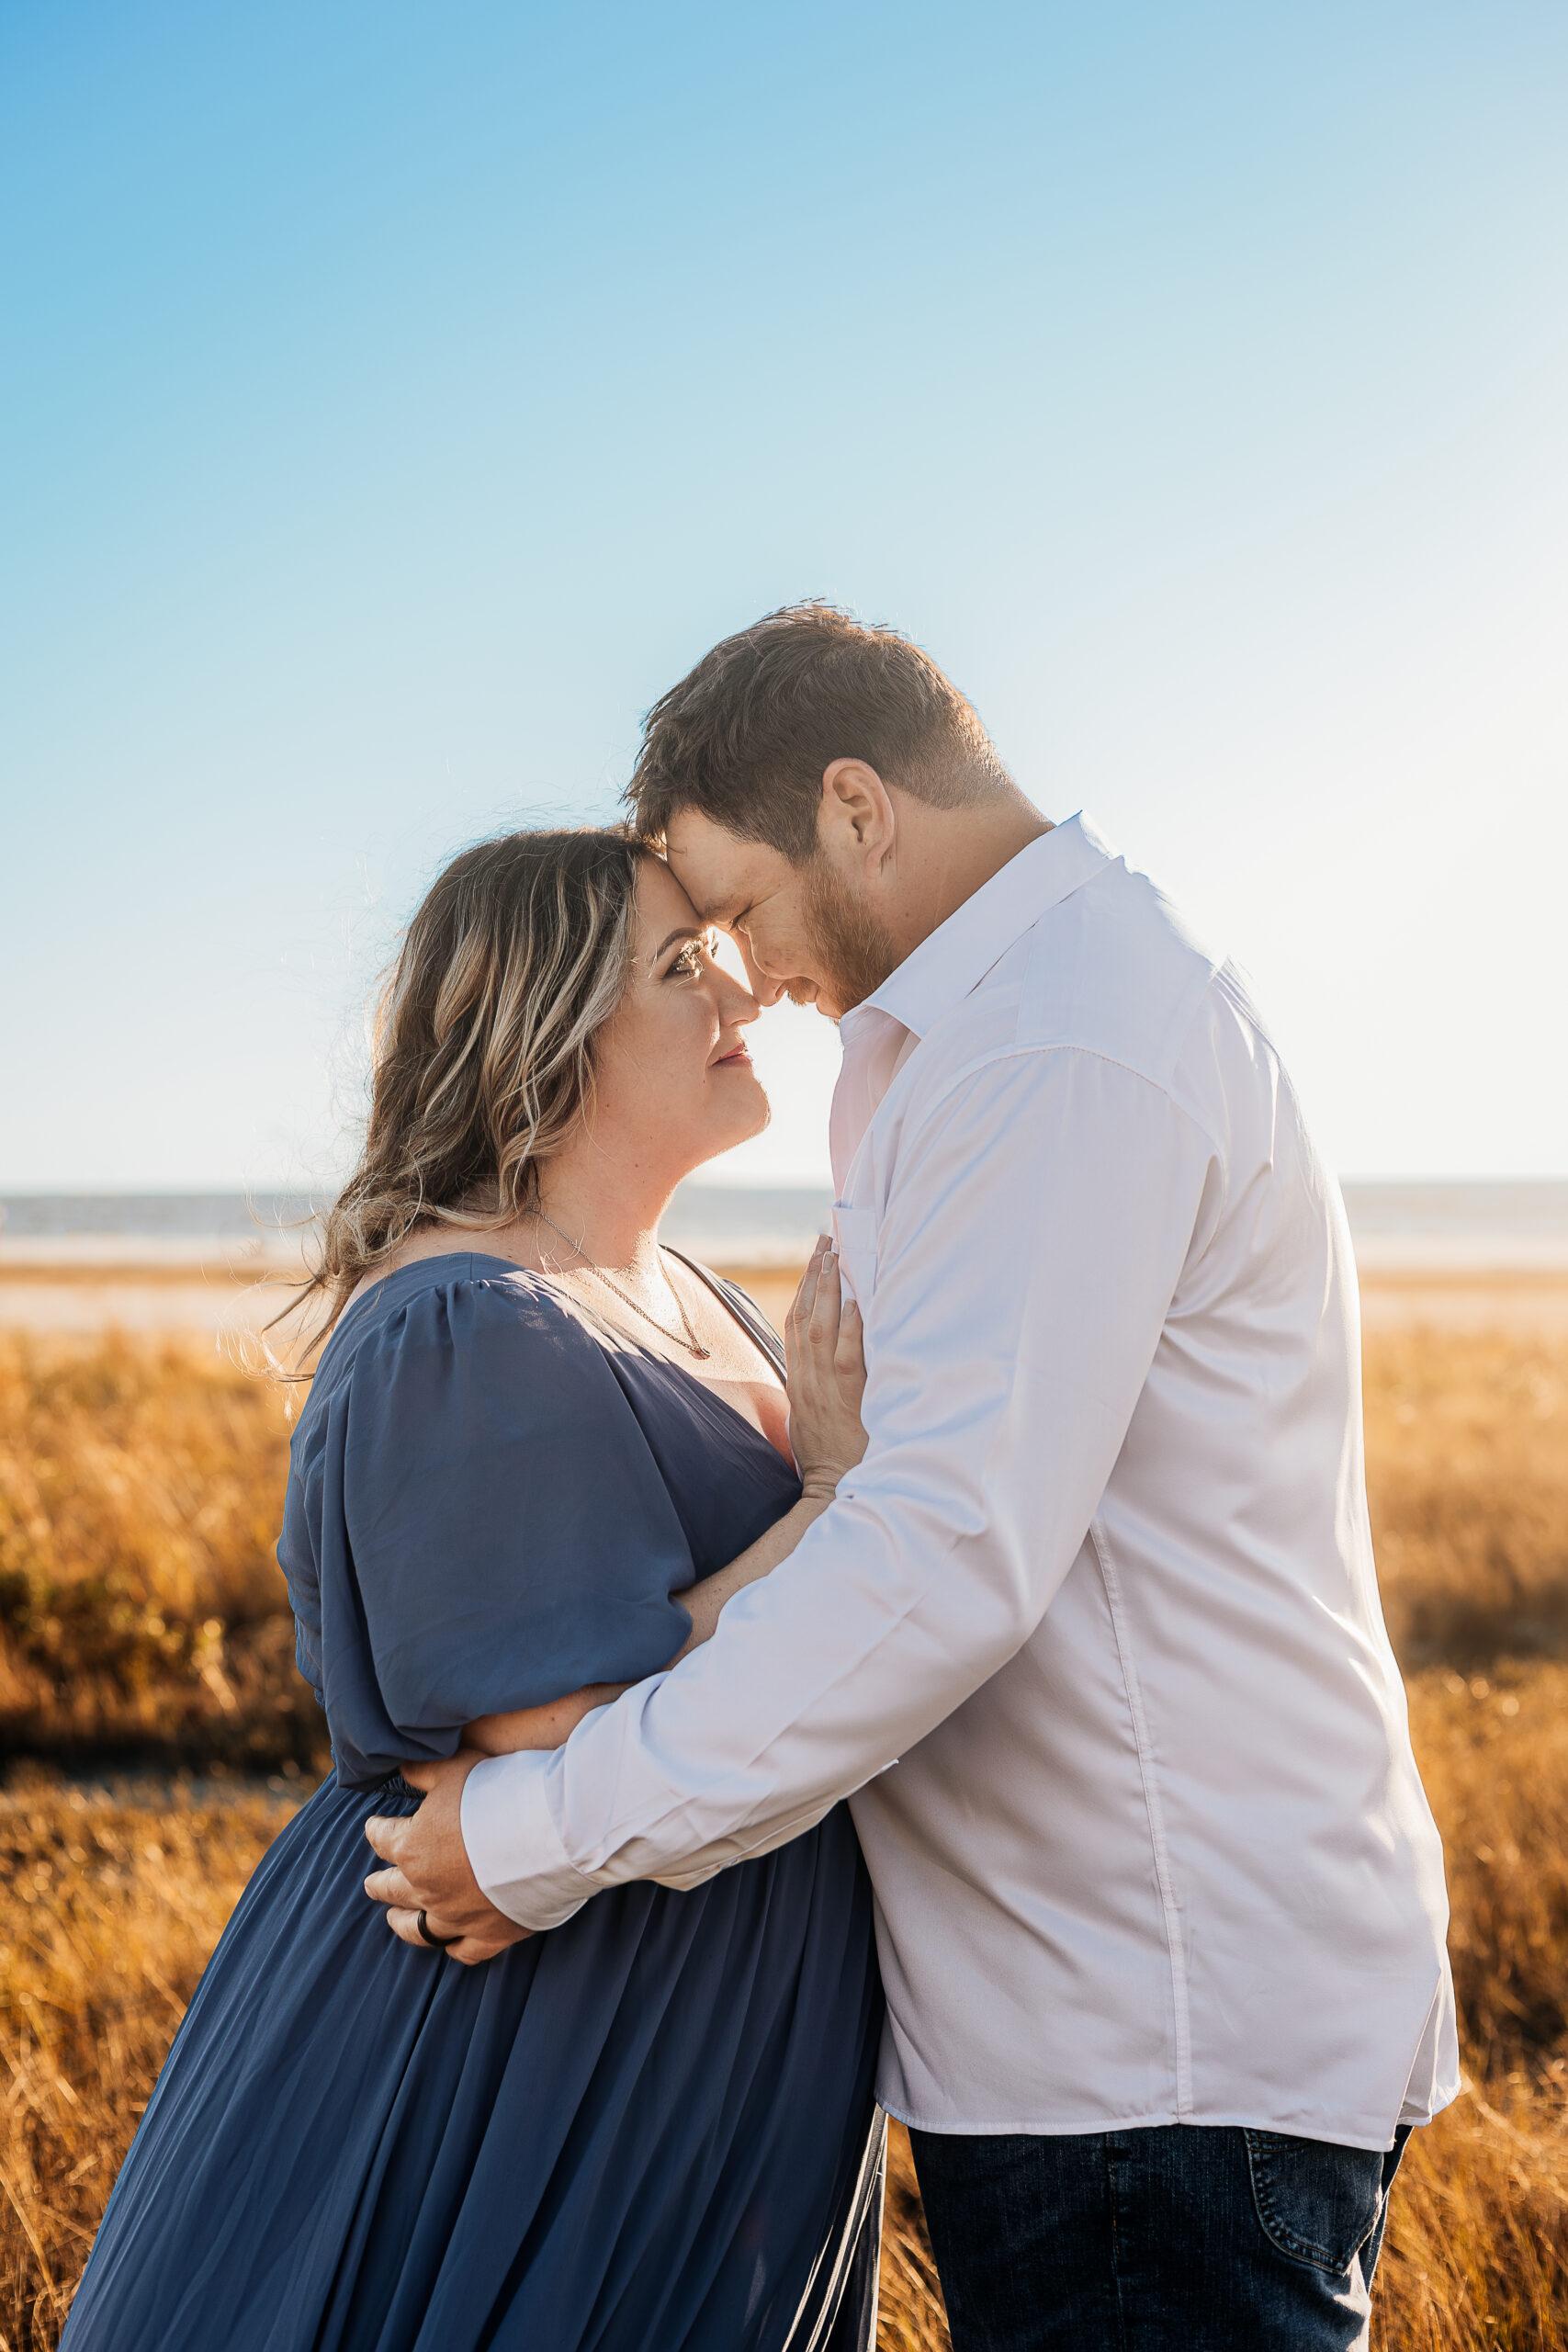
(958, 954)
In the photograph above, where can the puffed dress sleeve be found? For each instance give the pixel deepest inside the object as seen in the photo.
(495, 1531)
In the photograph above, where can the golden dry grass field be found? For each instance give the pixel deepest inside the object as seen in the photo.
(142, 1623)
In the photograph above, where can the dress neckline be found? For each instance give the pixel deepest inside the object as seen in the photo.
(759, 1335)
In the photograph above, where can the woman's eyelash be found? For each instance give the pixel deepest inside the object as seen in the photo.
(689, 961)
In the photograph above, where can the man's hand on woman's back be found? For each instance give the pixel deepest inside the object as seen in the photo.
(428, 1874)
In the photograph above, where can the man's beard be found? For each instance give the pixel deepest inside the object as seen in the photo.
(855, 953)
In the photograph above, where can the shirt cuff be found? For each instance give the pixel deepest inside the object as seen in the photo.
(513, 1845)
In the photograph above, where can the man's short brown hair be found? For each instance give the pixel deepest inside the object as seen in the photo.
(746, 735)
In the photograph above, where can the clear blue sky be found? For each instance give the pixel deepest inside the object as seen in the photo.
(395, 401)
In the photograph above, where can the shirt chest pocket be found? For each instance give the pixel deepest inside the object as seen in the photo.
(854, 1237)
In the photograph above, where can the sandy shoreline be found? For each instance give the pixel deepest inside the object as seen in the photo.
(218, 1301)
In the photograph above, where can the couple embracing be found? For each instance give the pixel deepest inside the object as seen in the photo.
(980, 1710)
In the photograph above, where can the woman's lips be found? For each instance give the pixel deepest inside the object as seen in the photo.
(728, 1061)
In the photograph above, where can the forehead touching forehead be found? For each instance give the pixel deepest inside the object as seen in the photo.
(662, 906)
(722, 874)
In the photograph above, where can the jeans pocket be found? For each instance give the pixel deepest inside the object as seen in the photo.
(1318, 2203)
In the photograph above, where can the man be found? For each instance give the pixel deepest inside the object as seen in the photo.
(1092, 1635)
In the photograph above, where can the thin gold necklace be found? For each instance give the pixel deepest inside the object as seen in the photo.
(691, 1342)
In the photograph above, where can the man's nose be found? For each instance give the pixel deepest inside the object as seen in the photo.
(759, 979)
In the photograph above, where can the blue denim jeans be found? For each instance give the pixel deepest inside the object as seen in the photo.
(1185, 2238)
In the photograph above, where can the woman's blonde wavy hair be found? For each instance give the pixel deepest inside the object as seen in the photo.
(484, 1046)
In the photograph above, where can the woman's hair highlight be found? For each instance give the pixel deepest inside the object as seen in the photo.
(482, 1054)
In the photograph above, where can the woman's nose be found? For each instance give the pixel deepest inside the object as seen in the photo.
(738, 1005)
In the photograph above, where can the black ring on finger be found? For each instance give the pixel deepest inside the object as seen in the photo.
(437, 1943)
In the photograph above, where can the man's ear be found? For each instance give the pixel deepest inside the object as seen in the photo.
(856, 824)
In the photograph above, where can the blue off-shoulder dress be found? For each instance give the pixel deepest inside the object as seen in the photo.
(652, 2130)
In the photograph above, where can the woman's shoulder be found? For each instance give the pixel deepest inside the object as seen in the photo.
(437, 1316)
(458, 1289)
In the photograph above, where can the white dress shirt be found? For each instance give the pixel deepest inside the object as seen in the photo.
(1094, 1632)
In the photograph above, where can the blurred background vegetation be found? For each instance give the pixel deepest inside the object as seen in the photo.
(157, 1736)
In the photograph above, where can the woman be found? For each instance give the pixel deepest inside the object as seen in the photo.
(539, 1455)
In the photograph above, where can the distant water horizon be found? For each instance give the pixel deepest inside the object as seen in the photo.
(1426, 1221)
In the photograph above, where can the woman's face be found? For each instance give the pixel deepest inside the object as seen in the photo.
(672, 1079)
